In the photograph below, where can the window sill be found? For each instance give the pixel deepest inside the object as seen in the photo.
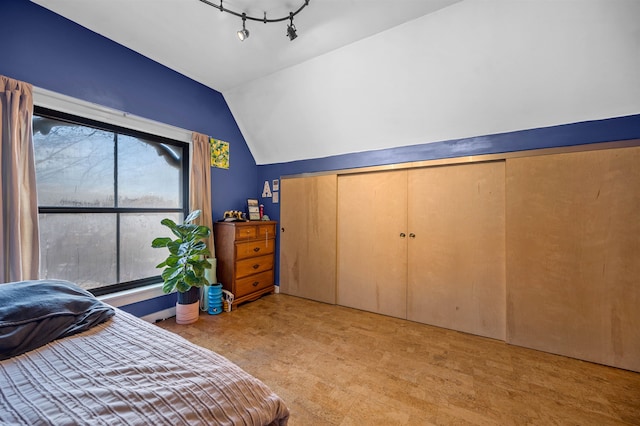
(127, 297)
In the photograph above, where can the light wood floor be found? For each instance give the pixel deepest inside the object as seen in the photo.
(339, 366)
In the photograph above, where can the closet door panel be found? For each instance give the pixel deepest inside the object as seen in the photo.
(573, 264)
(371, 252)
(308, 237)
(456, 275)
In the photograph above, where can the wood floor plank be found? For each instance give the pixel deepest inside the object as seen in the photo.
(339, 366)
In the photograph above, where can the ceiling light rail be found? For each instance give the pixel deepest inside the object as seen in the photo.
(243, 34)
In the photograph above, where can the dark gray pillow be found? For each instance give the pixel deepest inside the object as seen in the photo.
(34, 313)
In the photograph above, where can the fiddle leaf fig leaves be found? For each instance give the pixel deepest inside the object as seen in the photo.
(186, 262)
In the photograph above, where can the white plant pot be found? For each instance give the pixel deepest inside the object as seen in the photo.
(187, 314)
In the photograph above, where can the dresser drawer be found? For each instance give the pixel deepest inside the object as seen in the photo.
(254, 248)
(246, 232)
(253, 265)
(253, 283)
(266, 231)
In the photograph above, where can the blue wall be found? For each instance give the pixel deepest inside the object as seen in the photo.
(607, 130)
(54, 53)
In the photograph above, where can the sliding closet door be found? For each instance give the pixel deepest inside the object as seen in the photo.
(456, 275)
(573, 263)
(308, 237)
(372, 242)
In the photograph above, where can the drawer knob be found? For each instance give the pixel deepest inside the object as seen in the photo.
(412, 235)
(255, 283)
(256, 249)
(256, 266)
(402, 235)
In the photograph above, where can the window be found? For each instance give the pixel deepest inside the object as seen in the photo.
(102, 192)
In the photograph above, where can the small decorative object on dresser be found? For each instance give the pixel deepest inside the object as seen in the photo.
(245, 253)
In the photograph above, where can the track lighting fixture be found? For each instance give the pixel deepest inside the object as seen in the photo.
(243, 34)
(291, 29)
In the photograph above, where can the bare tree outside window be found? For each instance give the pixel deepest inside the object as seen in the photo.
(102, 195)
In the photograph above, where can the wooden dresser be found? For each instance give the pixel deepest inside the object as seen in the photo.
(245, 256)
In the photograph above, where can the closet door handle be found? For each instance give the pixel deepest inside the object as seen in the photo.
(402, 235)
(412, 235)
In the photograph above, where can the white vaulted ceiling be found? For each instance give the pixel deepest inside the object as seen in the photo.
(200, 42)
(373, 74)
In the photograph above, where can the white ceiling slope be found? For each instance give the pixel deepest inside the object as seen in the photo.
(199, 41)
(478, 67)
(374, 74)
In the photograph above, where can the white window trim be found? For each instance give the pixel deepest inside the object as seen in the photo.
(67, 104)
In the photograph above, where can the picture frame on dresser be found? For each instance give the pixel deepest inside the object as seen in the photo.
(253, 209)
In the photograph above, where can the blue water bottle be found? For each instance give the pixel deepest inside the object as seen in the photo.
(215, 299)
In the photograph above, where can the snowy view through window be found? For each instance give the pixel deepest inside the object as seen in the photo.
(102, 196)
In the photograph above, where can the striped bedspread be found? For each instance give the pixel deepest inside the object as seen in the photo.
(129, 372)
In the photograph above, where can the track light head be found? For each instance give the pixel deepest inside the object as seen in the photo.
(291, 29)
(291, 32)
(244, 32)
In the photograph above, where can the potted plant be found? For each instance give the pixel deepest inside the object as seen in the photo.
(185, 266)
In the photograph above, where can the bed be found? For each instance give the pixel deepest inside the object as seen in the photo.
(104, 366)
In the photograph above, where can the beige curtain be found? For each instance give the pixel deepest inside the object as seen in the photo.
(19, 240)
(200, 184)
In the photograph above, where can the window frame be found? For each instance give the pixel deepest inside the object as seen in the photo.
(41, 111)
